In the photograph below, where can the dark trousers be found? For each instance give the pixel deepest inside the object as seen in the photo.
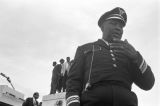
(59, 85)
(108, 95)
(64, 79)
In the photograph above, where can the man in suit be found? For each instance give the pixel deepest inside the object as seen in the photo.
(32, 101)
(61, 69)
(54, 79)
(56, 82)
(103, 71)
(67, 66)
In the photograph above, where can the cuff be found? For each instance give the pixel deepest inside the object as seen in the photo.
(142, 65)
(73, 100)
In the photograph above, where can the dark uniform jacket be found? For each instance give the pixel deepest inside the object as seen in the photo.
(55, 78)
(96, 62)
(29, 102)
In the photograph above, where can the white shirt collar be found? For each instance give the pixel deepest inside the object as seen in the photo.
(34, 101)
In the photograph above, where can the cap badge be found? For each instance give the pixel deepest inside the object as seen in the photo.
(121, 12)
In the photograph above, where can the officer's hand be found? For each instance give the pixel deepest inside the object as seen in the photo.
(124, 47)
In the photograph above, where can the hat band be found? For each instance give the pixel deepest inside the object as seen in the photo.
(116, 16)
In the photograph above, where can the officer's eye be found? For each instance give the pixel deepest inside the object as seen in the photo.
(117, 22)
(113, 22)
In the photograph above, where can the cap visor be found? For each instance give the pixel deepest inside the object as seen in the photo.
(114, 17)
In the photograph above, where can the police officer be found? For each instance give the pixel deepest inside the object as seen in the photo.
(103, 71)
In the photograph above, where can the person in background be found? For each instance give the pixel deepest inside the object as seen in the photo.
(54, 80)
(61, 69)
(67, 66)
(31, 101)
(103, 71)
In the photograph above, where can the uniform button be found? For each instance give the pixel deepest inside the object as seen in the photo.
(114, 59)
(111, 51)
(114, 65)
(112, 55)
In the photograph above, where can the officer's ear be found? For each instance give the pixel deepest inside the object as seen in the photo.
(102, 27)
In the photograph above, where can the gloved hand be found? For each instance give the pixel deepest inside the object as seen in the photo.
(124, 47)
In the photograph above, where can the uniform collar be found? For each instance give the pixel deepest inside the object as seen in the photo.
(103, 43)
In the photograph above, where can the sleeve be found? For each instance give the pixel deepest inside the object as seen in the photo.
(75, 80)
(142, 73)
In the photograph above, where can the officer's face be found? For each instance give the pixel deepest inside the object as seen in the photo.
(112, 29)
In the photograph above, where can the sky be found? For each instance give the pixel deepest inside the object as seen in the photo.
(34, 33)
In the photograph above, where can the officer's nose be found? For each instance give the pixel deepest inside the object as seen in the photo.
(118, 28)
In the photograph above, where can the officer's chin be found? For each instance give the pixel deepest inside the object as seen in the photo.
(115, 37)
